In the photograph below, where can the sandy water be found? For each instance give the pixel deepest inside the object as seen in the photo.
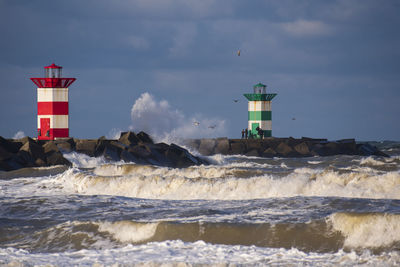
(341, 210)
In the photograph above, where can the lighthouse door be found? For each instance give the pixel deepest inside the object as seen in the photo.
(254, 127)
(45, 128)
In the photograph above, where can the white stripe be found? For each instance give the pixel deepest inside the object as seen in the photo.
(56, 121)
(259, 105)
(52, 94)
(265, 125)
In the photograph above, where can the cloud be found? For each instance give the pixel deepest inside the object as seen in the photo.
(19, 135)
(306, 28)
(165, 123)
(183, 39)
(138, 42)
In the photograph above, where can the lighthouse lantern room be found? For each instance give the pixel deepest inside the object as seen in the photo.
(52, 101)
(259, 112)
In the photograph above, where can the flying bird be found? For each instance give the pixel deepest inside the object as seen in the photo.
(293, 119)
(212, 126)
(196, 123)
(235, 100)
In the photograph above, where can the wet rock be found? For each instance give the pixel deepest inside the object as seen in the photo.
(302, 149)
(206, 147)
(269, 153)
(129, 138)
(9, 146)
(140, 151)
(86, 146)
(100, 146)
(120, 145)
(332, 148)
(369, 150)
(112, 151)
(180, 157)
(57, 158)
(348, 146)
(252, 153)
(128, 157)
(33, 149)
(192, 143)
(222, 146)
(237, 148)
(319, 150)
(284, 149)
(26, 139)
(145, 138)
(4, 154)
(50, 148)
(65, 145)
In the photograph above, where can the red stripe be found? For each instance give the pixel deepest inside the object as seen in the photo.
(52, 108)
(55, 133)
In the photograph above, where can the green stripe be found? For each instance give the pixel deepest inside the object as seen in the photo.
(260, 115)
(259, 97)
(267, 133)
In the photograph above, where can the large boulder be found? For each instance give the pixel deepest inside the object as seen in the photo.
(65, 145)
(284, 150)
(348, 146)
(268, 153)
(145, 138)
(57, 158)
(50, 148)
(191, 144)
(369, 150)
(112, 150)
(33, 149)
(237, 148)
(129, 139)
(222, 146)
(4, 154)
(9, 146)
(252, 153)
(302, 149)
(180, 157)
(206, 147)
(333, 148)
(86, 146)
(140, 151)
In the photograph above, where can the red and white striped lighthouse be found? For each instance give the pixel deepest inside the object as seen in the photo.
(52, 98)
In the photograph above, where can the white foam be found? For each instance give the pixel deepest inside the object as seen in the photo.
(367, 230)
(211, 182)
(127, 231)
(372, 161)
(84, 161)
(178, 253)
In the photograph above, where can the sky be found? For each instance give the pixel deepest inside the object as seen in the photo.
(161, 65)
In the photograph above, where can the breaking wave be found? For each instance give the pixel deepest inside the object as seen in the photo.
(182, 254)
(337, 231)
(225, 182)
(370, 230)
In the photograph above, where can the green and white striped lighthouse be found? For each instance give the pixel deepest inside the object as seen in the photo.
(260, 114)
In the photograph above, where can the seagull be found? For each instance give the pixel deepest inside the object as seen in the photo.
(235, 100)
(196, 123)
(238, 53)
(212, 126)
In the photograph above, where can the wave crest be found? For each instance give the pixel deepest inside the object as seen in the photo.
(367, 230)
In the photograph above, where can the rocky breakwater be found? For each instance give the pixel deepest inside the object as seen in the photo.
(282, 147)
(130, 147)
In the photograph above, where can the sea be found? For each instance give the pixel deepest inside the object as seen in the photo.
(238, 211)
